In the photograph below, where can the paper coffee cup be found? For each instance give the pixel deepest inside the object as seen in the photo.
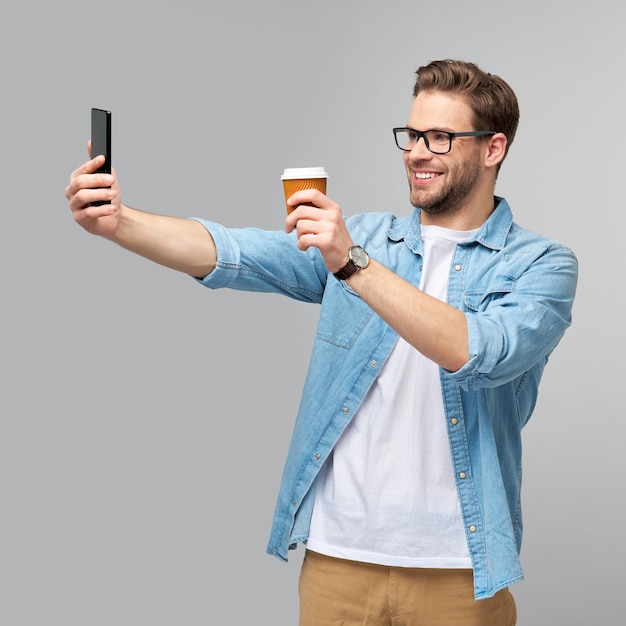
(298, 178)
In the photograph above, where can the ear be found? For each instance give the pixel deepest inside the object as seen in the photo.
(496, 149)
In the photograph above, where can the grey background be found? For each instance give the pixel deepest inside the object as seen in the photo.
(145, 419)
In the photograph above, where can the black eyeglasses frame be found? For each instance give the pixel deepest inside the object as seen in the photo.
(451, 136)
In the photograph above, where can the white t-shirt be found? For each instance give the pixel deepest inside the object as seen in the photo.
(387, 493)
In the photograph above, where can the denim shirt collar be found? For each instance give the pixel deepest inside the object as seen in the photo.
(492, 234)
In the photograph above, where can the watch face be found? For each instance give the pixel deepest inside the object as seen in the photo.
(359, 256)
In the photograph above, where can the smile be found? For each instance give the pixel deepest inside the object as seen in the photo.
(425, 176)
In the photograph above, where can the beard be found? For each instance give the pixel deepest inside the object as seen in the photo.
(461, 181)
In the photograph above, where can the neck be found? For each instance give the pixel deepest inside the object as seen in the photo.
(463, 218)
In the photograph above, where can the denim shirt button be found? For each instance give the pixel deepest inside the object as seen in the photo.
(458, 268)
(454, 421)
(462, 475)
(294, 502)
(374, 363)
(345, 410)
(316, 456)
(473, 529)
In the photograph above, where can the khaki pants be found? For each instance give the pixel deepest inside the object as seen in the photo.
(336, 592)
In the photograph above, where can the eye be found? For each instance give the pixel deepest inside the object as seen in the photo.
(438, 137)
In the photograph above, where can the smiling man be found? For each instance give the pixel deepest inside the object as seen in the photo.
(403, 475)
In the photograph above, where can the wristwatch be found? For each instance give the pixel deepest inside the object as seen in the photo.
(358, 259)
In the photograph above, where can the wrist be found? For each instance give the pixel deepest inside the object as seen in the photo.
(357, 260)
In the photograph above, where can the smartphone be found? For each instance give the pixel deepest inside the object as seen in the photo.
(101, 141)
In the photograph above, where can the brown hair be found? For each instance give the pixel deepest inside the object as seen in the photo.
(491, 99)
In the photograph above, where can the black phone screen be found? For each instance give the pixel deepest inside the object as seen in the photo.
(101, 137)
(101, 141)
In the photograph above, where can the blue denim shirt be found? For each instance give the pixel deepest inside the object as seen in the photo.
(516, 290)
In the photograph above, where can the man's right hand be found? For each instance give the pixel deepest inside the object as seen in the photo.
(85, 187)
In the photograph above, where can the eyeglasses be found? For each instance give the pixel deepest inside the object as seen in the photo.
(437, 141)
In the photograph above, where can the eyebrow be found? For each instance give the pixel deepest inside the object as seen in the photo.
(444, 129)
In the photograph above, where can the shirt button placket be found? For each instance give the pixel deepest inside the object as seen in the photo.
(455, 422)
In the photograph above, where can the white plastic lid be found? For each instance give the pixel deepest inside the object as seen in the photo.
(304, 172)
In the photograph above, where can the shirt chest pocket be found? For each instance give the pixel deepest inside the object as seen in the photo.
(479, 298)
(499, 277)
(343, 316)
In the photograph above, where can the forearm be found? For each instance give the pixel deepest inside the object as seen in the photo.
(436, 329)
(180, 244)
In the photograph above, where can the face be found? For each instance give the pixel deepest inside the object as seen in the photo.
(443, 184)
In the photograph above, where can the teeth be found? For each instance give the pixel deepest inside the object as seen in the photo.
(422, 176)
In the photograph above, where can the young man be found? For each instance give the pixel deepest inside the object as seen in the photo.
(403, 475)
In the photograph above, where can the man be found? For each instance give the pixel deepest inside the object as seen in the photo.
(403, 475)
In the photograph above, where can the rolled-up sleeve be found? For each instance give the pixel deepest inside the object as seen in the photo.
(518, 323)
(252, 259)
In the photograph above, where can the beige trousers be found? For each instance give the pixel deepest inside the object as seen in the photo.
(337, 592)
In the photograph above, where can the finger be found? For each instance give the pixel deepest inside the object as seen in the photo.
(83, 198)
(90, 215)
(301, 212)
(89, 167)
(80, 180)
(311, 226)
(311, 197)
(314, 240)
(75, 192)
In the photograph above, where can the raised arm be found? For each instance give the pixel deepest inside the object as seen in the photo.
(180, 244)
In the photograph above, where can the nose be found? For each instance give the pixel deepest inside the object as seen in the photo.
(419, 152)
